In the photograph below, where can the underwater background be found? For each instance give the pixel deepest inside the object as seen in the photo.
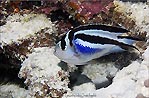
(29, 31)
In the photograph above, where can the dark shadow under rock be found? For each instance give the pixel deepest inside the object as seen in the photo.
(10, 76)
(9, 69)
(63, 65)
(8, 62)
(82, 79)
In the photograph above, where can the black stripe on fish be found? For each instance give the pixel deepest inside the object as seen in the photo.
(95, 27)
(132, 38)
(70, 37)
(102, 40)
(63, 42)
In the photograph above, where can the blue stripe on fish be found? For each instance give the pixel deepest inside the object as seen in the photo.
(85, 49)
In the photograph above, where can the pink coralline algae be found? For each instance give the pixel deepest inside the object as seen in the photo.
(89, 8)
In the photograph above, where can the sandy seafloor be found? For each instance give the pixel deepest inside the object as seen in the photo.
(43, 73)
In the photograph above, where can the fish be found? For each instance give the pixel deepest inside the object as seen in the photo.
(87, 42)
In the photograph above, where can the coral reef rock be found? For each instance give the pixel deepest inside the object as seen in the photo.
(43, 77)
(20, 27)
(22, 33)
(129, 81)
